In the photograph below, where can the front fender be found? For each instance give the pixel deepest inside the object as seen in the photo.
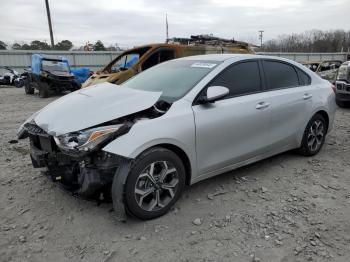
(128, 149)
(176, 128)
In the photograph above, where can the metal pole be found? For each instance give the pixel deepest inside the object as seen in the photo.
(261, 37)
(49, 21)
(167, 28)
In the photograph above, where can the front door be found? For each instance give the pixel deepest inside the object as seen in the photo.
(235, 128)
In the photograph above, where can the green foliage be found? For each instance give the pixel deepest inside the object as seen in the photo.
(26, 47)
(98, 46)
(64, 45)
(16, 46)
(310, 41)
(3, 46)
(39, 45)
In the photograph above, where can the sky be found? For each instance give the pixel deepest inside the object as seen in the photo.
(134, 22)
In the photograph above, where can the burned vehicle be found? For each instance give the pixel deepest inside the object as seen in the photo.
(50, 75)
(136, 60)
(178, 123)
(326, 69)
(12, 77)
(342, 85)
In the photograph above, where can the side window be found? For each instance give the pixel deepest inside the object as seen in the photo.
(280, 75)
(166, 55)
(242, 78)
(304, 79)
(151, 61)
(158, 57)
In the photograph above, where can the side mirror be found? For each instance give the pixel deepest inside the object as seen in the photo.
(216, 92)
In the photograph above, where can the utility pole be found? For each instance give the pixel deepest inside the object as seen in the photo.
(167, 28)
(261, 34)
(49, 21)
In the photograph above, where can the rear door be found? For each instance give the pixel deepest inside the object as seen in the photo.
(291, 101)
(235, 128)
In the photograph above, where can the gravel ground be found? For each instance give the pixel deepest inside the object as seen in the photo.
(285, 208)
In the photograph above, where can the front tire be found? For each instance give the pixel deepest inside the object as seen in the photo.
(28, 88)
(154, 183)
(314, 136)
(43, 90)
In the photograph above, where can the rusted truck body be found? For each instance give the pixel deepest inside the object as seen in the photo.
(136, 60)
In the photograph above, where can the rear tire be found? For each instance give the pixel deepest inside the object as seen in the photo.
(43, 90)
(314, 136)
(154, 183)
(29, 90)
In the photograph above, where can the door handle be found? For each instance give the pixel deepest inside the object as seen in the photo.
(307, 96)
(262, 105)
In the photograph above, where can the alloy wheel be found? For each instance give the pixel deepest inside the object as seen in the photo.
(315, 136)
(156, 186)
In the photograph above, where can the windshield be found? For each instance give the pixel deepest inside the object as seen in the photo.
(174, 78)
(51, 65)
(125, 62)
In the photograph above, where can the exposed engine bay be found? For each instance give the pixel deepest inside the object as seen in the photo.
(88, 173)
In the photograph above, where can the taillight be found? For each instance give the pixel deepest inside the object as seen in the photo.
(334, 88)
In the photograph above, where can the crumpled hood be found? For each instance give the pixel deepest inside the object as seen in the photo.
(92, 106)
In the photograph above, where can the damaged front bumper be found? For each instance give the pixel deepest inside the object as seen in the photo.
(99, 175)
(89, 175)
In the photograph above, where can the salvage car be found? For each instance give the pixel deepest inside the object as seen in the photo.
(326, 69)
(50, 75)
(342, 85)
(139, 59)
(178, 123)
(11, 77)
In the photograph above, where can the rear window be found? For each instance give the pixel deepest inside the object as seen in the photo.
(280, 75)
(54, 65)
(343, 73)
(304, 79)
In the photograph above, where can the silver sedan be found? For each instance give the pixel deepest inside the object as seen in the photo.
(178, 123)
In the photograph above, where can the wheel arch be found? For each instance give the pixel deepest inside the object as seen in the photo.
(181, 154)
(325, 115)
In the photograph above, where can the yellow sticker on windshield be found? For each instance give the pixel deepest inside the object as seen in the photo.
(203, 65)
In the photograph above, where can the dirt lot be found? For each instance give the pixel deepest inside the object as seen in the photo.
(286, 208)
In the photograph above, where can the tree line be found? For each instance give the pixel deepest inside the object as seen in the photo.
(63, 45)
(315, 41)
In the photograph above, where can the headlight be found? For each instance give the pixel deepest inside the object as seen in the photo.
(86, 140)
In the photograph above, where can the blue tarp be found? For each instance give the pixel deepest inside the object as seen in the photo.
(81, 74)
(132, 61)
(37, 62)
